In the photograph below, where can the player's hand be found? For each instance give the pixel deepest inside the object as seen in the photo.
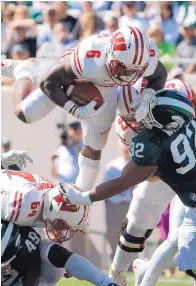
(83, 112)
(12, 157)
(141, 106)
(75, 195)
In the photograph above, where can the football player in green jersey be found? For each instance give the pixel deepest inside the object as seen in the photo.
(166, 147)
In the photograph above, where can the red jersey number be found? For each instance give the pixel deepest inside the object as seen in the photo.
(93, 54)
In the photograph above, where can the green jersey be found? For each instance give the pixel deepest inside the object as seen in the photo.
(174, 155)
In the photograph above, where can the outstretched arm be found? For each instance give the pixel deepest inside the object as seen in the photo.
(131, 176)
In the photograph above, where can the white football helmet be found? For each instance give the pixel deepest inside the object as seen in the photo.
(126, 96)
(62, 219)
(128, 55)
(184, 88)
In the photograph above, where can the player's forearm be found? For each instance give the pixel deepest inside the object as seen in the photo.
(158, 79)
(107, 190)
(128, 179)
(52, 83)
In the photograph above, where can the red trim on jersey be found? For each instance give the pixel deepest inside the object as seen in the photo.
(125, 100)
(14, 205)
(19, 207)
(136, 45)
(123, 140)
(68, 52)
(76, 60)
(142, 48)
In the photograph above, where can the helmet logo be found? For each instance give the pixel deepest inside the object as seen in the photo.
(59, 204)
(176, 123)
(118, 42)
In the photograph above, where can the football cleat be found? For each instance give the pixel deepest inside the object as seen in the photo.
(118, 277)
(139, 268)
(11, 68)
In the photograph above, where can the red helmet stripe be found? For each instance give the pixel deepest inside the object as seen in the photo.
(136, 45)
(142, 46)
(125, 100)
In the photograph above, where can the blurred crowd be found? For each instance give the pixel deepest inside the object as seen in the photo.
(46, 29)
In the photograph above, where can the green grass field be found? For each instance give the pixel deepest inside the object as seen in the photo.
(162, 282)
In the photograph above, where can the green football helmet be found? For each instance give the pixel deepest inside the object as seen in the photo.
(10, 241)
(167, 110)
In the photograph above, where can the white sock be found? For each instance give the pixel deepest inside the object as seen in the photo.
(123, 259)
(162, 259)
(88, 172)
(83, 269)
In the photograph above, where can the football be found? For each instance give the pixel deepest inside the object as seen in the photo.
(82, 92)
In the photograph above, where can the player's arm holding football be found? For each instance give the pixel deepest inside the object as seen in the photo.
(54, 84)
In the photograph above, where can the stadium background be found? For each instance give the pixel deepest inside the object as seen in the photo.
(41, 138)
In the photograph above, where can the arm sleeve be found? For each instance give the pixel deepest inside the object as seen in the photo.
(157, 80)
(144, 152)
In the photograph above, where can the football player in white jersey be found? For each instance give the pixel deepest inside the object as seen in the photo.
(107, 60)
(30, 200)
(150, 199)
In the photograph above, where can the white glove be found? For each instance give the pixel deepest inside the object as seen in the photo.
(83, 112)
(141, 106)
(75, 196)
(14, 157)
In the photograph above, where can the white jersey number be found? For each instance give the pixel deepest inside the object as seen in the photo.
(178, 155)
(32, 242)
(137, 149)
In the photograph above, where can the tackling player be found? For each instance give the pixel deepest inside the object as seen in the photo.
(166, 147)
(150, 198)
(107, 60)
(28, 261)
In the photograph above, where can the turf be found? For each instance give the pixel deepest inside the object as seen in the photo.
(162, 282)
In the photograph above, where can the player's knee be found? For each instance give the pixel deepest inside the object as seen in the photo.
(143, 215)
(173, 237)
(130, 243)
(90, 153)
(58, 255)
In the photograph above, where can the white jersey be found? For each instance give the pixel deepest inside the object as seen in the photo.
(22, 197)
(88, 59)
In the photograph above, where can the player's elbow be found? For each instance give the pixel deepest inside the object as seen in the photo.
(161, 74)
(19, 113)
